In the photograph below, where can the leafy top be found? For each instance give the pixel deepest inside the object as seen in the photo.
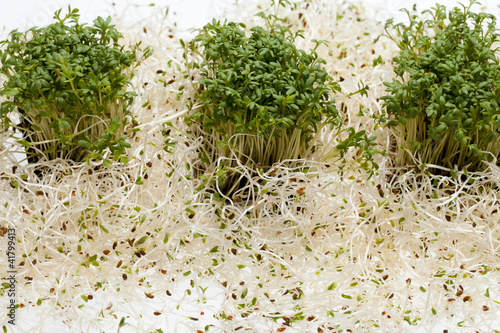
(65, 75)
(449, 75)
(262, 84)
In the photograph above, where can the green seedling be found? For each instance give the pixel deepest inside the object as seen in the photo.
(444, 102)
(263, 100)
(69, 82)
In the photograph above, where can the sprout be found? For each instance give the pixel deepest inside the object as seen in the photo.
(69, 82)
(444, 104)
(264, 100)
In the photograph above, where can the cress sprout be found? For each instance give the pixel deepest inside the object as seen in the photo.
(264, 100)
(444, 103)
(69, 82)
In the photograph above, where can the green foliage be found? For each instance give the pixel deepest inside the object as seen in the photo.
(69, 82)
(264, 100)
(445, 101)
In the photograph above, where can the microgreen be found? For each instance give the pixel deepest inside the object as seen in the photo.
(69, 80)
(263, 99)
(444, 103)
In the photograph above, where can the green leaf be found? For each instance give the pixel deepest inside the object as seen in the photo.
(332, 286)
(244, 293)
(141, 240)
(84, 143)
(165, 239)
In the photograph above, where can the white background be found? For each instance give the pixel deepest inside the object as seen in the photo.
(189, 13)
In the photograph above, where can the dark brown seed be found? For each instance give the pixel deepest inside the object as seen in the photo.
(168, 293)
(149, 164)
(149, 295)
(106, 252)
(157, 313)
(90, 297)
(124, 276)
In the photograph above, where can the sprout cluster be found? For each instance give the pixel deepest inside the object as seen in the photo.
(445, 101)
(264, 100)
(69, 82)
